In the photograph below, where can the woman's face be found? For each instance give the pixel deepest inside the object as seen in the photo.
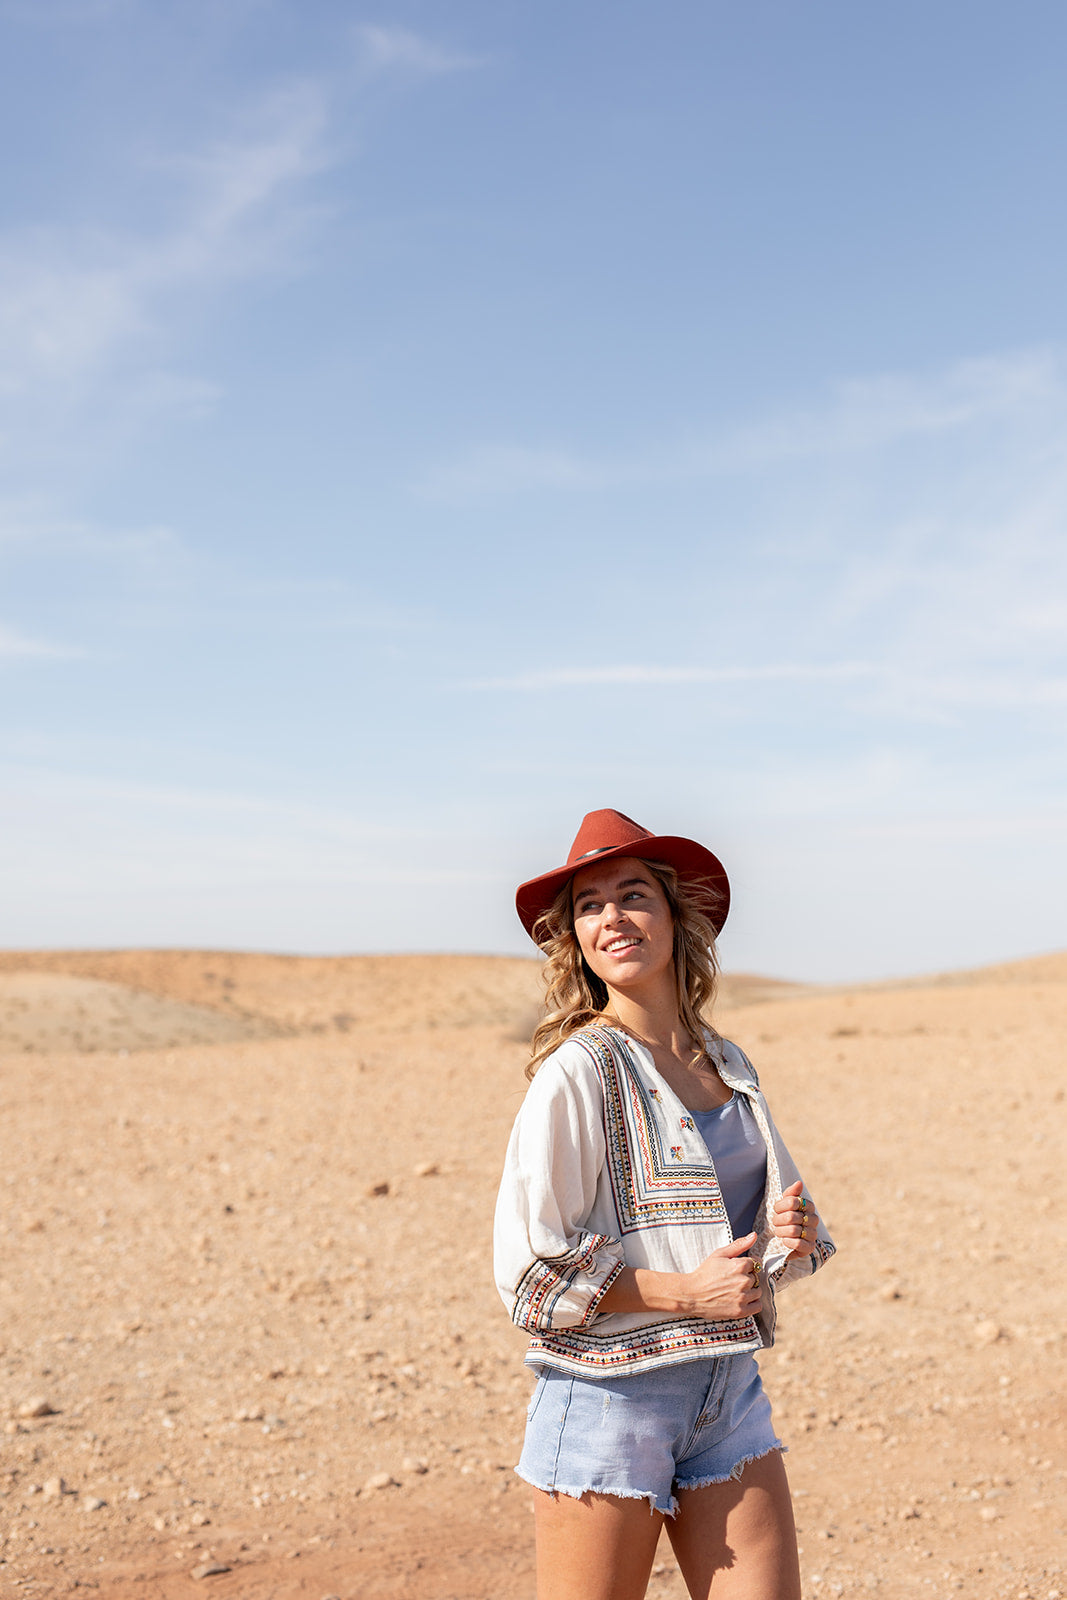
(623, 922)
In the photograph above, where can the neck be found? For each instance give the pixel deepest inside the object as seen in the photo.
(653, 1017)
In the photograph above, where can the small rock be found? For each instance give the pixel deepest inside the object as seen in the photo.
(377, 1189)
(37, 1407)
(53, 1487)
(891, 1291)
(908, 1512)
(989, 1514)
(210, 1569)
(92, 1502)
(426, 1169)
(380, 1480)
(13, 1427)
(199, 1520)
(414, 1464)
(987, 1333)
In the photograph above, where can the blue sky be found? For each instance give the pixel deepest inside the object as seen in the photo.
(421, 425)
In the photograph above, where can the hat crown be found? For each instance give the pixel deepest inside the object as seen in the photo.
(605, 830)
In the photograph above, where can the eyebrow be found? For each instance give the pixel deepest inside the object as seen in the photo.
(627, 883)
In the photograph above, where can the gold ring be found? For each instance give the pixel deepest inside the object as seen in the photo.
(803, 1203)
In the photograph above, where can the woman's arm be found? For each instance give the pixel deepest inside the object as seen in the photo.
(552, 1267)
(722, 1289)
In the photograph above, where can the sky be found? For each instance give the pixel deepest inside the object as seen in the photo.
(422, 425)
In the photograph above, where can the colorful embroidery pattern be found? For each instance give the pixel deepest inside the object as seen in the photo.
(687, 1122)
(653, 1184)
(547, 1281)
(575, 1350)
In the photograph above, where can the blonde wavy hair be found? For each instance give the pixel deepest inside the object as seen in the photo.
(575, 997)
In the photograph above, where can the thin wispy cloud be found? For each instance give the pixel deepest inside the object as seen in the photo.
(17, 646)
(74, 299)
(399, 50)
(630, 675)
(859, 417)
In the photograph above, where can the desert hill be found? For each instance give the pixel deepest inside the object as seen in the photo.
(246, 1317)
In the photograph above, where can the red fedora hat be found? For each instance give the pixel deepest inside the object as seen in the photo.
(604, 834)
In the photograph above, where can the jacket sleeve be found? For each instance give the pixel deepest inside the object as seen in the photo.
(551, 1268)
(780, 1269)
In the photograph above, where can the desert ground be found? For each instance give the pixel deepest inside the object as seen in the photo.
(249, 1342)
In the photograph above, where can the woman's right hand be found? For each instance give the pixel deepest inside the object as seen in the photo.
(724, 1288)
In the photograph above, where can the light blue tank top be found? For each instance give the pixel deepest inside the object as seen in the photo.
(740, 1158)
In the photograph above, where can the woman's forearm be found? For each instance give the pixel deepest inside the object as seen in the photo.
(641, 1289)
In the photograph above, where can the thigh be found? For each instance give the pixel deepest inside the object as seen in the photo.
(737, 1540)
(598, 1547)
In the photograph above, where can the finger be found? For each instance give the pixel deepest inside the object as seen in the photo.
(794, 1188)
(738, 1247)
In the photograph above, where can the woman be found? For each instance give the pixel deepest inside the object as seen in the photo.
(648, 1214)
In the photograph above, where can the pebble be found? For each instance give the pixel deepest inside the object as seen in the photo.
(376, 1190)
(54, 1487)
(414, 1464)
(380, 1480)
(989, 1514)
(987, 1333)
(37, 1407)
(210, 1569)
(891, 1291)
(92, 1502)
(426, 1169)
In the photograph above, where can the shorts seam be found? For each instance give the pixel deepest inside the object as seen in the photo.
(574, 1493)
(736, 1470)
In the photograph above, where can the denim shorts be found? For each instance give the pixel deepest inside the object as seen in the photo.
(646, 1434)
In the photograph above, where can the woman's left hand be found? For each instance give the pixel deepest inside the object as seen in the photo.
(795, 1221)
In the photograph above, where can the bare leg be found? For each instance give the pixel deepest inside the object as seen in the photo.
(597, 1548)
(737, 1540)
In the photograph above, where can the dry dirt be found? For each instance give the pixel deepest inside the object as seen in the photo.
(246, 1316)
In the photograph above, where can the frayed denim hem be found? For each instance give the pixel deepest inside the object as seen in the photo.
(592, 1488)
(734, 1474)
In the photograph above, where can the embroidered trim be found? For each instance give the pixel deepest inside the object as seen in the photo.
(548, 1279)
(655, 1344)
(652, 1184)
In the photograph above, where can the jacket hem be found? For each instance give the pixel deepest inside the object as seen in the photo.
(643, 1348)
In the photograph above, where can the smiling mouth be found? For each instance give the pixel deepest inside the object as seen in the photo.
(621, 944)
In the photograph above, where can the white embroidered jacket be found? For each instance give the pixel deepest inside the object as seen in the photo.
(606, 1168)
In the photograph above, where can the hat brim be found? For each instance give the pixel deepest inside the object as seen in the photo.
(696, 867)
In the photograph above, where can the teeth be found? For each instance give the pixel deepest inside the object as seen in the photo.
(621, 944)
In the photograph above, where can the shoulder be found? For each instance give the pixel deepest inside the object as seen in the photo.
(570, 1069)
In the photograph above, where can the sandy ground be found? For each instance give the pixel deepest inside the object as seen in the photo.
(249, 1345)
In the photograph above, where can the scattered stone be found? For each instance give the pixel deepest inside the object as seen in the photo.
(414, 1464)
(92, 1502)
(37, 1407)
(989, 1514)
(377, 1189)
(199, 1520)
(209, 1569)
(891, 1291)
(249, 1414)
(426, 1169)
(988, 1333)
(380, 1480)
(908, 1512)
(54, 1487)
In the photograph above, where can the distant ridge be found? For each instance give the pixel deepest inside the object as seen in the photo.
(135, 1000)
